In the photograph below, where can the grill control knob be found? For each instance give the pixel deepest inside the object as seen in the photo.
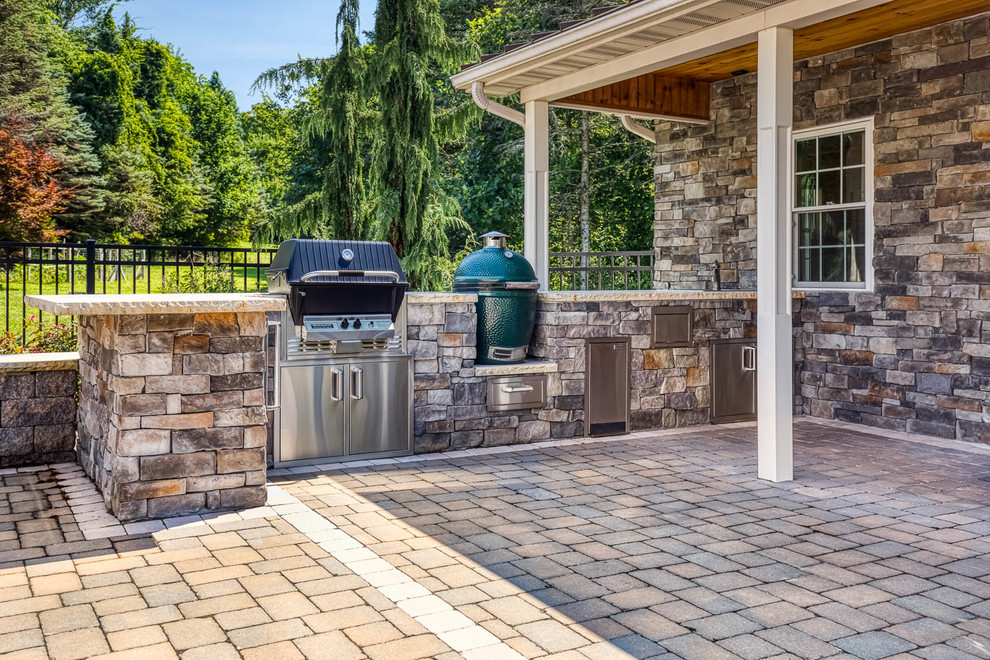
(357, 324)
(344, 324)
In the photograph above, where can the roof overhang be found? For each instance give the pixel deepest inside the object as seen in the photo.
(640, 38)
(650, 36)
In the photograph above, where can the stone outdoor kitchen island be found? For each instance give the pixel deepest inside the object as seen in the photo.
(171, 414)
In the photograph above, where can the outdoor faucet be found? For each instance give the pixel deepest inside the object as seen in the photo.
(717, 276)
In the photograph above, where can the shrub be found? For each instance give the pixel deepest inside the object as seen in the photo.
(207, 279)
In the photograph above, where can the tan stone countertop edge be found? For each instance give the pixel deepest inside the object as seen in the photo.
(527, 367)
(430, 297)
(156, 303)
(659, 294)
(22, 362)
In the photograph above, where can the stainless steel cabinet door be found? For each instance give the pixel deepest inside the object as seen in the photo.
(379, 406)
(733, 381)
(607, 387)
(313, 419)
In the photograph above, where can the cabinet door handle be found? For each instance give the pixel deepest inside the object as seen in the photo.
(336, 385)
(749, 358)
(516, 389)
(275, 393)
(357, 383)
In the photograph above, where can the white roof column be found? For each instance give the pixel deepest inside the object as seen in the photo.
(775, 354)
(536, 232)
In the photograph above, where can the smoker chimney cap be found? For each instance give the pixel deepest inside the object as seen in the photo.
(495, 239)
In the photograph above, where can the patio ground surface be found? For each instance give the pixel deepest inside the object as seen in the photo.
(655, 544)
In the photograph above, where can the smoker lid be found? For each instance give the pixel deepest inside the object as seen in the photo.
(494, 267)
(296, 257)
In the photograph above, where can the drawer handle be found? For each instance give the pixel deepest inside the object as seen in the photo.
(516, 389)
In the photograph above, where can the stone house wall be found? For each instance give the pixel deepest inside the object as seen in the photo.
(38, 409)
(914, 354)
(172, 418)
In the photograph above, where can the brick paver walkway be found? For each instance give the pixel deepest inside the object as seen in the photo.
(652, 545)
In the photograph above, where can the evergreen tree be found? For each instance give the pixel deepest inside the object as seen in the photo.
(70, 10)
(34, 107)
(335, 125)
(409, 203)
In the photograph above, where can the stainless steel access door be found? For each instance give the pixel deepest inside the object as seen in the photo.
(379, 395)
(606, 398)
(733, 380)
(313, 419)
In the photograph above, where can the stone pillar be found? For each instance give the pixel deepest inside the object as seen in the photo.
(171, 414)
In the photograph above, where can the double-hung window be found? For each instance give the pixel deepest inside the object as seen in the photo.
(833, 206)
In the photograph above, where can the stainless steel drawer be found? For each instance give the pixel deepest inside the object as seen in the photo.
(517, 392)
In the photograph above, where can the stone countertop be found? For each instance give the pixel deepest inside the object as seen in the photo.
(526, 367)
(431, 297)
(39, 362)
(156, 303)
(650, 295)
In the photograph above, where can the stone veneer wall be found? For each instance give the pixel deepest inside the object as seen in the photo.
(449, 399)
(172, 418)
(38, 411)
(914, 354)
(669, 387)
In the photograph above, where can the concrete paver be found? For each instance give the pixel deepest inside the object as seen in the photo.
(653, 545)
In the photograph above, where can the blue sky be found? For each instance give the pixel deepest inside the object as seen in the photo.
(242, 38)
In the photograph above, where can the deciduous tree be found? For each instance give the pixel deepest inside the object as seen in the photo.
(29, 193)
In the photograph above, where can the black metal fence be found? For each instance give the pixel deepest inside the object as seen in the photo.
(91, 267)
(601, 271)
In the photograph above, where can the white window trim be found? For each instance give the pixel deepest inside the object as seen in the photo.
(870, 165)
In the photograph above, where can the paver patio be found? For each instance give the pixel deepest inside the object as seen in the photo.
(647, 545)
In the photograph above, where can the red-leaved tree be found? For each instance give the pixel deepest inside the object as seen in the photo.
(29, 193)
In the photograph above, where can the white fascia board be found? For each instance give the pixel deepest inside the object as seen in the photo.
(708, 41)
(637, 16)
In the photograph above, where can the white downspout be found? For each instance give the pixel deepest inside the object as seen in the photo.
(488, 105)
(636, 128)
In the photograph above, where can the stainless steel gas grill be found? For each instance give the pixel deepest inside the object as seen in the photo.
(342, 386)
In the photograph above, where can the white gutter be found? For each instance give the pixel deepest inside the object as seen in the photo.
(636, 128)
(488, 105)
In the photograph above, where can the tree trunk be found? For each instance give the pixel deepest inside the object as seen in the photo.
(584, 196)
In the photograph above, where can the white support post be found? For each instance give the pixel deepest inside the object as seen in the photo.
(775, 353)
(537, 198)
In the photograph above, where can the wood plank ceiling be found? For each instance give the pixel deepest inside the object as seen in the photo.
(682, 91)
(650, 96)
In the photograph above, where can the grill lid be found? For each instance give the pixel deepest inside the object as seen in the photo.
(334, 278)
(298, 258)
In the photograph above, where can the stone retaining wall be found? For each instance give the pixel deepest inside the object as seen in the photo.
(914, 354)
(172, 417)
(38, 409)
